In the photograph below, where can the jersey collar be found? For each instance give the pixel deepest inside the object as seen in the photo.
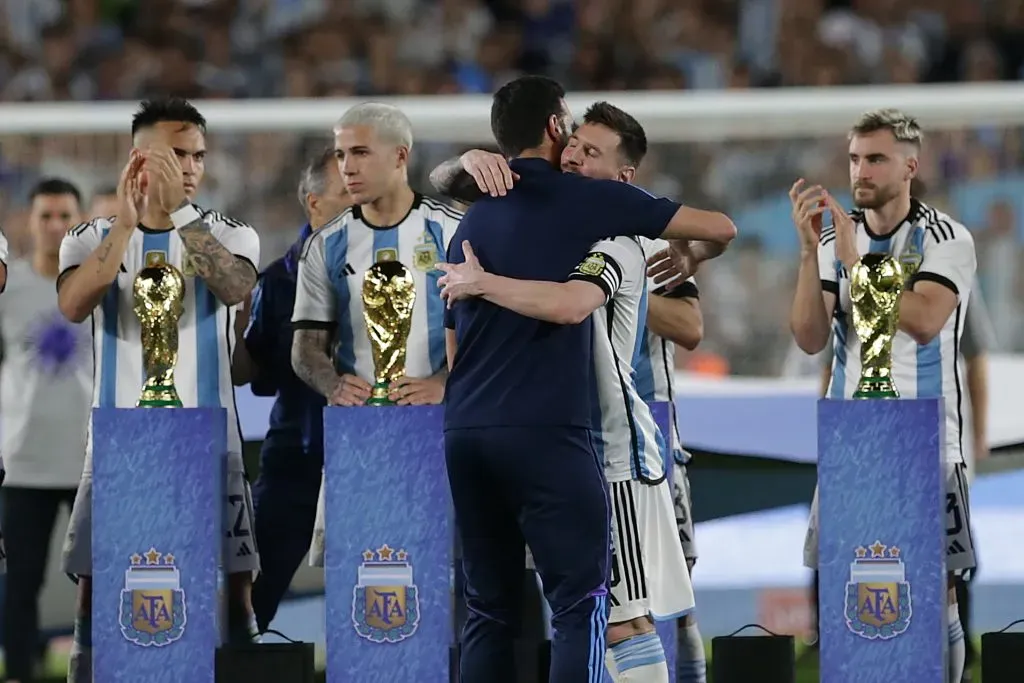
(357, 212)
(916, 209)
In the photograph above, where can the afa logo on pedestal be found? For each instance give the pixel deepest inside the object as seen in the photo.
(385, 607)
(878, 594)
(152, 603)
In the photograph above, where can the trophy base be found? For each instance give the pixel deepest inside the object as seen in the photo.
(876, 389)
(159, 397)
(379, 396)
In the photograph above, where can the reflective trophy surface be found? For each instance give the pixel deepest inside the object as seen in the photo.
(388, 297)
(159, 293)
(876, 284)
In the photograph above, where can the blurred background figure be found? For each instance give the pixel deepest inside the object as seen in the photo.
(103, 203)
(45, 396)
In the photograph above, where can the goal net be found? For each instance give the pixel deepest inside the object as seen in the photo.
(735, 151)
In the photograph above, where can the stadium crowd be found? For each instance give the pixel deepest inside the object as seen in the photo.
(92, 50)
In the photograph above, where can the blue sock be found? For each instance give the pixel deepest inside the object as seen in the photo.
(640, 659)
(691, 664)
(80, 660)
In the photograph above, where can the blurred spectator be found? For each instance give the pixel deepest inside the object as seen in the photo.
(88, 50)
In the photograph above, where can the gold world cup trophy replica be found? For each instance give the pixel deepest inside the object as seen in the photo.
(159, 293)
(388, 297)
(876, 284)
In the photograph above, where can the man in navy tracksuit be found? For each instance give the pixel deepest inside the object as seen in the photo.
(292, 457)
(521, 396)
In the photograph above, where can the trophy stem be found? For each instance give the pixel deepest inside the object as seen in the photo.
(379, 395)
(876, 387)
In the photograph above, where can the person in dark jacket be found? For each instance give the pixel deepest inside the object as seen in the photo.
(291, 459)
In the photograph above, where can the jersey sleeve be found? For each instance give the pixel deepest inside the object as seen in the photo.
(979, 336)
(238, 238)
(78, 244)
(949, 257)
(314, 297)
(611, 265)
(620, 209)
(827, 270)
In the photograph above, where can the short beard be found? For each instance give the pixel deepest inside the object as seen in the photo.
(882, 196)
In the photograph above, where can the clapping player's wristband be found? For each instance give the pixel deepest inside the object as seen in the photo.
(185, 215)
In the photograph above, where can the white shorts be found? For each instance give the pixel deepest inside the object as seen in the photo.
(959, 542)
(316, 549)
(684, 510)
(240, 552)
(649, 574)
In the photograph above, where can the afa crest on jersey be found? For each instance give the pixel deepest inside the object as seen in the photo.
(910, 260)
(152, 610)
(385, 607)
(425, 254)
(878, 605)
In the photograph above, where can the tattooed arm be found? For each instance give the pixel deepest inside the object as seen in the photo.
(311, 360)
(89, 264)
(313, 320)
(452, 180)
(229, 276)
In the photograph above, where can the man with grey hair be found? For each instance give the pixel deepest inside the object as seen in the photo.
(389, 222)
(938, 260)
(291, 458)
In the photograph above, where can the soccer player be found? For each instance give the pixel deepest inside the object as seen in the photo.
(46, 390)
(292, 455)
(521, 399)
(938, 259)
(218, 255)
(389, 222)
(610, 144)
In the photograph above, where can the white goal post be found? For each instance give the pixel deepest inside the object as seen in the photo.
(685, 116)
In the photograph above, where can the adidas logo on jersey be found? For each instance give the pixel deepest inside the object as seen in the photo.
(955, 548)
(349, 270)
(244, 551)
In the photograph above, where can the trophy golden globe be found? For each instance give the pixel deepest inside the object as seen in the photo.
(388, 297)
(876, 283)
(159, 293)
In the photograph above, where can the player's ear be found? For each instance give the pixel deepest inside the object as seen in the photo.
(311, 202)
(626, 174)
(554, 129)
(403, 155)
(912, 167)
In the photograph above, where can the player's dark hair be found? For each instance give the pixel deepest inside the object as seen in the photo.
(176, 109)
(51, 187)
(520, 112)
(632, 138)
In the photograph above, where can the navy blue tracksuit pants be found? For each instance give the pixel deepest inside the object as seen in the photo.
(542, 486)
(285, 510)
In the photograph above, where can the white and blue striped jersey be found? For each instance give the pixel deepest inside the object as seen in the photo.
(628, 440)
(655, 363)
(930, 246)
(330, 280)
(206, 334)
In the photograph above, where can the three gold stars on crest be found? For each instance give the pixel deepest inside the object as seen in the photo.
(152, 557)
(384, 554)
(877, 551)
